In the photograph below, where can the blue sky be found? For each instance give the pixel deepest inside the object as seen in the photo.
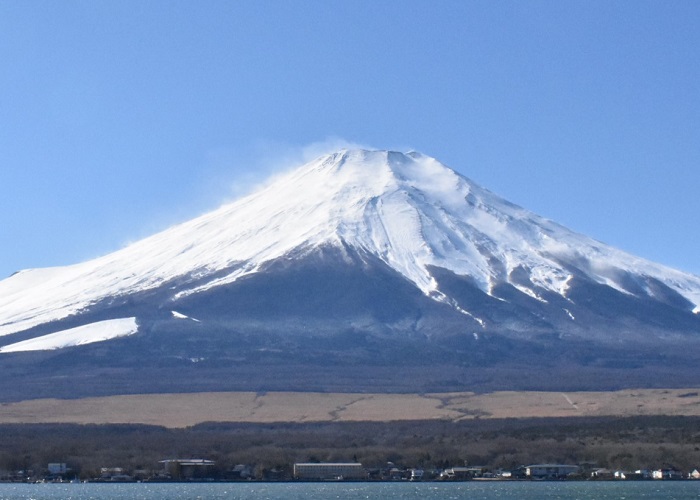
(120, 118)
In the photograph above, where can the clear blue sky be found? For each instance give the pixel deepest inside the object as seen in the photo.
(119, 118)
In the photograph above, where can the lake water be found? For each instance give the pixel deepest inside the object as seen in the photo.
(474, 490)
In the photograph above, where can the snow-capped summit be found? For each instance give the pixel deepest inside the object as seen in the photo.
(408, 210)
(375, 242)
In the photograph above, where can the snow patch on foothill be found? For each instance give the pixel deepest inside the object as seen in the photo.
(182, 316)
(81, 335)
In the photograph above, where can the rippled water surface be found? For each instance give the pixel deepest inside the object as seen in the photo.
(470, 490)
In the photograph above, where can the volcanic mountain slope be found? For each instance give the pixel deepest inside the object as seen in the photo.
(389, 263)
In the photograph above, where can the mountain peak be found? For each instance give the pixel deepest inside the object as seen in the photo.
(358, 271)
(407, 210)
(383, 170)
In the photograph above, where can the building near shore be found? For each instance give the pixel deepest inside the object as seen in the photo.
(57, 469)
(187, 468)
(550, 471)
(329, 471)
(457, 474)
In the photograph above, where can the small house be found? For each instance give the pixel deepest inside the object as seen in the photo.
(669, 473)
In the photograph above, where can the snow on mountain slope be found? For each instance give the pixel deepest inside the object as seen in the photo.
(81, 335)
(407, 209)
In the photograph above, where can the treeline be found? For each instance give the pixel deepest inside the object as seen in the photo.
(615, 443)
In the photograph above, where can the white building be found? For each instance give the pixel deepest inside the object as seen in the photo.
(457, 473)
(329, 470)
(417, 474)
(667, 474)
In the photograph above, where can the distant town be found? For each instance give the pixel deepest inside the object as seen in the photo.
(612, 449)
(203, 470)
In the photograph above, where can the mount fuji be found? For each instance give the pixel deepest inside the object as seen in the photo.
(361, 270)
